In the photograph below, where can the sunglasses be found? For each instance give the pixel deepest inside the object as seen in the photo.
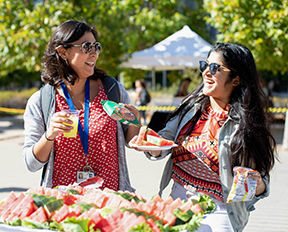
(213, 67)
(87, 47)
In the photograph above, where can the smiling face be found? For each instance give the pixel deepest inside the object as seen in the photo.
(218, 86)
(83, 64)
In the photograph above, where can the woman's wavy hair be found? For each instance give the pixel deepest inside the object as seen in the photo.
(54, 67)
(253, 144)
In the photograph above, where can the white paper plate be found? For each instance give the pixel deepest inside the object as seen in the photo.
(153, 148)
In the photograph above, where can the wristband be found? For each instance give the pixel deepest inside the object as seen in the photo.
(47, 138)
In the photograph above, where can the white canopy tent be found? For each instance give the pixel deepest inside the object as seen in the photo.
(181, 50)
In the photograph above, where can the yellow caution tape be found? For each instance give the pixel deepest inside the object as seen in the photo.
(146, 108)
(10, 110)
(172, 108)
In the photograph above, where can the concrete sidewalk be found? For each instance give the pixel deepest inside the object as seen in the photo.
(11, 127)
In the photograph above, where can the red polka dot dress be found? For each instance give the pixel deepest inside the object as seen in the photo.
(102, 150)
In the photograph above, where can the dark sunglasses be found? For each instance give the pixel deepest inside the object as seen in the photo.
(87, 47)
(213, 67)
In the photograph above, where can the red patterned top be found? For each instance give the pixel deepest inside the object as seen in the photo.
(102, 150)
(196, 161)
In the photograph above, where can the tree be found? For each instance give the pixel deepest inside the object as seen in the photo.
(124, 26)
(25, 30)
(261, 25)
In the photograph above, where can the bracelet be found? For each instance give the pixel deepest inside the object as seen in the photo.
(47, 138)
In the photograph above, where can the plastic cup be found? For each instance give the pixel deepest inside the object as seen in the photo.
(74, 116)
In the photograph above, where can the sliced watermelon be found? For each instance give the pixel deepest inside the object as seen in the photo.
(97, 219)
(158, 141)
(141, 136)
(75, 211)
(146, 143)
(114, 218)
(152, 225)
(79, 189)
(52, 206)
(127, 218)
(61, 214)
(71, 199)
(177, 203)
(48, 191)
(186, 206)
(196, 209)
(39, 215)
(169, 218)
(116, 201)
(37, 190)
(24, 209)
(139, 220)
(6, 212)
(10, 199)
(149, 207)
(157, 198)
(151, 132)
(158, 209)
(84, 206)
(168, 200)
(124, 203)
(186, 216)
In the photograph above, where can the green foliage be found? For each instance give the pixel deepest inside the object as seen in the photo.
(6, 95)
(124, 26)
(25, 31)
(261, 25)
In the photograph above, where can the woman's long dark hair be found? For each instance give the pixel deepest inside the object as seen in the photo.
(54, 68)
(252, 145)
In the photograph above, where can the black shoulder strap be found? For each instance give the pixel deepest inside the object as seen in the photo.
(47, 94)
(112, 88)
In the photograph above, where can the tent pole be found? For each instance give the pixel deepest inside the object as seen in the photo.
(164, 79)
(153, 80)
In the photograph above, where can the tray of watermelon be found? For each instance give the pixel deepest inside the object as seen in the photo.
(95, 210)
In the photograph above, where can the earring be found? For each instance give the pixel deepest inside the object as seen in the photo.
(66, 61)
(236, 82)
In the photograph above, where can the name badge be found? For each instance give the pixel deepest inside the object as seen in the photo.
(84, 175)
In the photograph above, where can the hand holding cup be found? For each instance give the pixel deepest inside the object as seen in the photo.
(74, 117)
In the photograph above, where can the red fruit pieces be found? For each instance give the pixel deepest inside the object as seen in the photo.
(39, 215)
(176, 204)
(75, 212)
(10, 199)
(23, 209)
(151, 132)
(141, 136)
(37, 190)
(196, 209)
(152, 225)
(61, 214)
(186, 206)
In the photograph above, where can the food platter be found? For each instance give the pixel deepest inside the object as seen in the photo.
(82, 209)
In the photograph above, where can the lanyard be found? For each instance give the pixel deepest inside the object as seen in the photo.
(84, 134)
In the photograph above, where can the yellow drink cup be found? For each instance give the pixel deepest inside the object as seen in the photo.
(74, 116)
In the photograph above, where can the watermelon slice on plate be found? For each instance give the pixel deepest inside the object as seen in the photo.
(148, 139)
